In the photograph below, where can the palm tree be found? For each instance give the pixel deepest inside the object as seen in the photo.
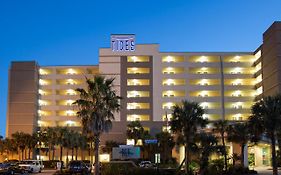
(220, 127)
(96, 107)
(31, 141)
(135, 131)
(109, 145)
(165, 145)
(206, 144)
(239, 133)
(20, 140)
(185, 122)
(9, 146)
(266, 119)
(50, 139)
(60, 136)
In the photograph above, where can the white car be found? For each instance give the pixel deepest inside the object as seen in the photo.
(32, 166)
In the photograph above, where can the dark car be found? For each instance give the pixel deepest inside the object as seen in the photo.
(11, 168)
(78, 167)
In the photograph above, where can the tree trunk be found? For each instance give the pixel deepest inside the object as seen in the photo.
(49, 152)
(273, 154)
(66, 156)
(72, 153)
(97, 167)
(90, 152)
(242, 154)
(76, 153)
(19, 154)
(61, 158)
(29, 152)
(186, 159)
(22, 154)
(225, 153)
(53, 153)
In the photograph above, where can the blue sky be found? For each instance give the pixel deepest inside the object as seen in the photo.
(69, 32)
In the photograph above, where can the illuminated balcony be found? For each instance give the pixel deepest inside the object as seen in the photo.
(69, 123)
(166, 129)
(240, 82)
(44, 113)
(136, 117)
(41, 123)
(259, 91)
(210, 105)
(45, 71)
(239, 59)
(137, 82)
(65, 102)
(238, 105)
(240, 93)
(259, 79)
(212, 117)
(204, 70)
(205, 82)
(167, 117)
(44, 82)
(237, 117)
(172, 59)
(69, 82)
(173, 70)
(138, 106)
(44, 92)
(204, 59)
(67, 113)
(173, 93)
(66, 92)
(168, 105)
(44, 102)
(69, 71)
(239, 70)
(173, 82)
(135, 70)
(204, 93)
(135, 94)
(137, 59)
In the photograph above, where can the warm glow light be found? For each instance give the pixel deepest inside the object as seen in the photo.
(71, 71)
(202, 59)
(70, 113)
(170, 59)
(258, 54)
(70, 92)
(69, 102)
(204, 105)
(134, 58)
(70, 122)
(130, 142)
(104, 157)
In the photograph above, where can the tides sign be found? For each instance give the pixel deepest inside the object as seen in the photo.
(123, 43)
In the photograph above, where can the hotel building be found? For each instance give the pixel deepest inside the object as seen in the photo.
(150, 82)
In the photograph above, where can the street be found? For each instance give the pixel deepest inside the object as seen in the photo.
(47, 172)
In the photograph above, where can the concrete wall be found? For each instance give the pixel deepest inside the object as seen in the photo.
(22, 97)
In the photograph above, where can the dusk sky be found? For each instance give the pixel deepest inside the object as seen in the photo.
(66, 32)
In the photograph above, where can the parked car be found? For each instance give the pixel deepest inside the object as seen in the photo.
(78, 167)
(11, 169)
(32, 166)
(147, 164)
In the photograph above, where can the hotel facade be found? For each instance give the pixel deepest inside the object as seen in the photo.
(150, 82)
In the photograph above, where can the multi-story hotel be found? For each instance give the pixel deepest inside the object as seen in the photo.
(150, 82)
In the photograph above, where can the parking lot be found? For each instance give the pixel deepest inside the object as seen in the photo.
(47, 172)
